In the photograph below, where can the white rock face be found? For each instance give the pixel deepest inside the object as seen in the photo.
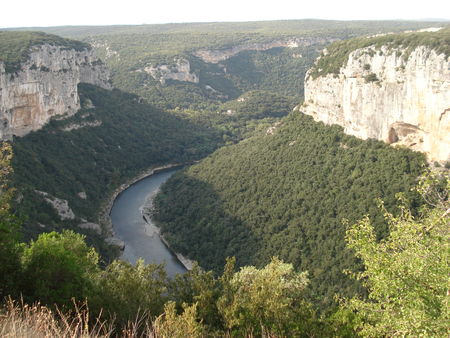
(60, 205)
(216, 56)
(181, 71)
(46, 86)
(91, 226)
(408, 101)
(75, 126)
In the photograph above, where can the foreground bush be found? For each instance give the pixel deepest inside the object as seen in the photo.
(58, 267)
(406, 274)
(125, 291)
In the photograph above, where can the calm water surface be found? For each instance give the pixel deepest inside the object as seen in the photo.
(141, 239)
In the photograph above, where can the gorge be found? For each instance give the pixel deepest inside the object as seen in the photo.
(282, 209)
(135, 228)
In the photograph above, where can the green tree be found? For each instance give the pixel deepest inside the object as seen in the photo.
(173, 325)
(58, 267)
(265, 301)
(202, 289)
(9, 225)
(126, 292)
(406, 274)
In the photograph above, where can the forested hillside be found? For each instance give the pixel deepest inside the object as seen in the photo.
(285, 193)
(112, 138)
(128, 50)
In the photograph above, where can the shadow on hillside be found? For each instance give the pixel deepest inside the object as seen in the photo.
(195, 221)
(114, 137)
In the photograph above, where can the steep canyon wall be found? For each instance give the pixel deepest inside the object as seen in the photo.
(46, 86)
(397, 95)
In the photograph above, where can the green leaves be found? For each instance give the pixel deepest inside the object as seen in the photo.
(406, 274)
(265, 299)
(58, 267)
(286, 194)
(9, 228)
(184, 325)
(123, 291)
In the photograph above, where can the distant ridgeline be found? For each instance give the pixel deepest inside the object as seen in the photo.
(200, 65)
(285, 193)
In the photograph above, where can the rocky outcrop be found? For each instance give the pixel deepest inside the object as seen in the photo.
(91, 226)
(46, 86)
(180, 71)
(61, 206)
(218, 55)
(75, 126)
(391, 94)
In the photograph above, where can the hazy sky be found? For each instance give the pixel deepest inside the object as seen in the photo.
(28, 13)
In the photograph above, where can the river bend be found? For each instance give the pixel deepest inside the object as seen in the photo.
(141, 238)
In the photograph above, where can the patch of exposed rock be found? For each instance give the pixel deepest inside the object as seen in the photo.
(114, 241)
(80, 125)
(60, 205)
(180, 71)
(109, 52)
(91, 226)
(271, 130)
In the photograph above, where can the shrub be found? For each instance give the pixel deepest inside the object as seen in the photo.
(58, 267)
(372, 77)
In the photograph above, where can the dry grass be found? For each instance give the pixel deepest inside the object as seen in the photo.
(22, 320)
(18, 320)
(36, 321)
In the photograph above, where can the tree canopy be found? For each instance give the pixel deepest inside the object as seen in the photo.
(407, 273)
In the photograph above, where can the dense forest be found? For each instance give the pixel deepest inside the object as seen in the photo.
(96, 150)
(405, 275)
(285, 192)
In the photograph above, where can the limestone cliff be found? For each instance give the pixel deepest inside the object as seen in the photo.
(45, 85)
(400, 95)
(218, 55)
(180, 71)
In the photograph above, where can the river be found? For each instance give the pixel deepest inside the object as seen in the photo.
(141, 238)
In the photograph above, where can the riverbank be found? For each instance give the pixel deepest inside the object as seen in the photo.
(153, 229)
(104, 218)
(106, 222)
